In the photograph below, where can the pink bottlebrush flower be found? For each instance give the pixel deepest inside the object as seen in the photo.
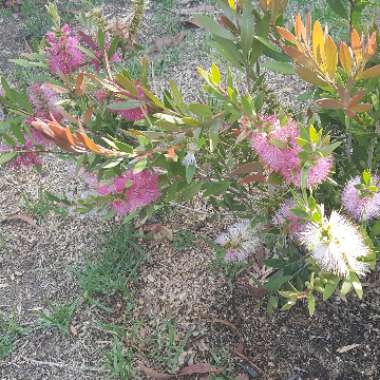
(361, 207)
(38, 138)
(277, 148)
(101, 95)
(287, 221)
(44, 101)
(133, 114)
(137, 113)
(144, 189)
(316, 175)
(132, 191)
(64, 55)
(120, 206)
(104, 190)
(26, 156)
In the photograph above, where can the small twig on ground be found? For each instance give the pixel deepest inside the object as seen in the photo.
(253, 365)
(73, 366)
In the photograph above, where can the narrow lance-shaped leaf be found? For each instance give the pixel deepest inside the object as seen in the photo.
(356, 45)
(372, 72)
(331, 57)
(345, 58)
(319, 44)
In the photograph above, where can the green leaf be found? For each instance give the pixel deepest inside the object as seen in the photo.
(101, 39)
(356, 284)
(276, 281)
(215, 74)
(213, 27)
(191, 190)
(228, 50)
(328, 149)
(124, 106)
(338, 6)
(271, 50)
(346, 287)
(216, 188)
(314, 136)
(279, 67)
(112, 163)
(246, 30)
(311, 303)
(375, 230)
(190, 170)
(6, 157)
(200, 110)
(366, 175)
(272, 304)
(140, 165)
(288, 305)
(88, 52)
(25, 63)
(330, 288)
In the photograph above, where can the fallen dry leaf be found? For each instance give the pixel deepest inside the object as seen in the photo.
(194, 369)
(153, 374)
(73, 330)
(20, 217)
(199, 369)
(166, 42)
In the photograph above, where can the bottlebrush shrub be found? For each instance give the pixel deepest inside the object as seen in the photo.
(305, 190)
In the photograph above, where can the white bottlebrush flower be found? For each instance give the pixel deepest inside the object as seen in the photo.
(240, 241)
(337, 245)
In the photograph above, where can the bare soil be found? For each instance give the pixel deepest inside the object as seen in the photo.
(340, 342)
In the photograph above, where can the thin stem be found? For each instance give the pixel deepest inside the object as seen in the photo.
(37, 151)
(372, 147)
(349, 138)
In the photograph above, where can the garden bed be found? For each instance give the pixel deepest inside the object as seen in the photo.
(163, 304)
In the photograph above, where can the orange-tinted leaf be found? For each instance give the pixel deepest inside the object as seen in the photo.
(299, 28)
(88, 143)
(247, 168)
(87, 116)
(286, 35)
(345, 58)
(365, 107)
(80, 87)
(356, 99)
(330, 103)
(356, 45)
(372, 45)
(308, 27)
(372, 72)
(252, 178)
(331, 57)
(298, 57)
(318, 39)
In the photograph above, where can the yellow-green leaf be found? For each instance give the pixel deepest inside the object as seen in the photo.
(232, 4)
(215, 74)
(318, 44)
(372, 72)
(345, 58)
(331, 57)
